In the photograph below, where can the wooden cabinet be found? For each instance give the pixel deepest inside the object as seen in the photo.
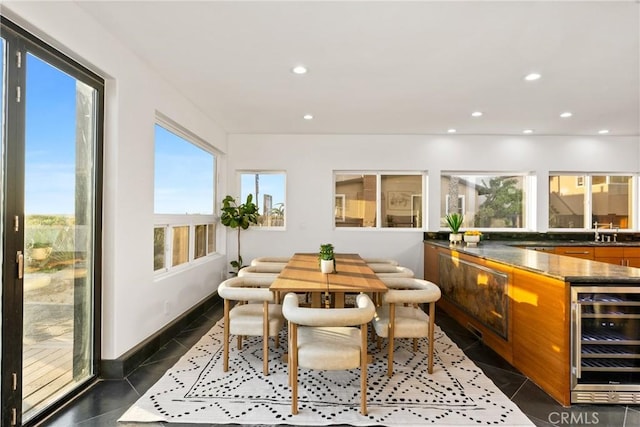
(609, 255)
(619, 255)
(584, 252)
(431, 269)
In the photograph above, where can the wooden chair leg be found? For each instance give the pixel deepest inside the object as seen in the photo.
(415, 345)
(225, 350)
(363, 370)
(239, 342)
(294, 369)
(265, 338)
(392, 317)
(432, 320)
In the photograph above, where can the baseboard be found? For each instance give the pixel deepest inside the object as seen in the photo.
(121, 367)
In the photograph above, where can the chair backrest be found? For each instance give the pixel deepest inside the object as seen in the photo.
(268, 270)
(270, 259)
(387, 270)
(410, 290)
(246, 289)
(380, 261)
(363, 313)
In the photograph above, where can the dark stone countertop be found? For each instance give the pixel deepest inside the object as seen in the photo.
(574, 270)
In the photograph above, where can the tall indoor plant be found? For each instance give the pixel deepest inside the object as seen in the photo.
(239, 216)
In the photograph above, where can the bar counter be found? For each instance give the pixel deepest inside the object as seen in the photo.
(567, 269)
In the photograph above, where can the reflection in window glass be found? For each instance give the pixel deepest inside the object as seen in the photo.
(201, 241)
(268, 190)
(357, 194)
(180, 247)
(158, 248)
(491, 201)
(566, 201)
(211, 238)
(401, 200)
(608, 195)
(611, 201)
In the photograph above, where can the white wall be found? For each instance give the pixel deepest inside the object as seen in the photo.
(309, 161)
(134, 305)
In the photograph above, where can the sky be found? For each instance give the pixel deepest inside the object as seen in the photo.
(184, 173)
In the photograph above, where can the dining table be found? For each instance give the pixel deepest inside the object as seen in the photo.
(352, 275)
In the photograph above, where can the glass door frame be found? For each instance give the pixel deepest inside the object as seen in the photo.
(17, 44)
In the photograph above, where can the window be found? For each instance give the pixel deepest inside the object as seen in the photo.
(601, 199)
(375, 200)
(487, 200)
(184, 191)
(268, 189)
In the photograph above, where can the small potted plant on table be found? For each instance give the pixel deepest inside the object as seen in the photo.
(454, 221)
(472, 237)
(327, 258)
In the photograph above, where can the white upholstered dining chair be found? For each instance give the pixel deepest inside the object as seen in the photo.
(328, 339)
(400, 315)
(380, 261)
(268, 270)
(254, 314)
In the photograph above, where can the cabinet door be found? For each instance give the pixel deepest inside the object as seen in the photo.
(431, 268)
(584, 252)
(609, 255)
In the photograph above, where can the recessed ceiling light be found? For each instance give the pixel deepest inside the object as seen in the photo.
(527, 131)
(603, 131)
(476, 114)
(300, 69)
(532, 76)
(308, 117)
(566, 114)
(451, 130)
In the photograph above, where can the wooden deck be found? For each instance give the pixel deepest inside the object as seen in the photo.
(47, 369)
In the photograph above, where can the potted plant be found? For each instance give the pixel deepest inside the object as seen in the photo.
(454, 221)
(327, 258)
(239, 216)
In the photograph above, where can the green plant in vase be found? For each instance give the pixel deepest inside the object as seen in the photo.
(327, 259)
(454, 222)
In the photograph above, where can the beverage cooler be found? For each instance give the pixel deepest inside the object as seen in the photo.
(605, 353)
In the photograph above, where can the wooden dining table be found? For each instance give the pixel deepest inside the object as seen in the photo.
(302, 274)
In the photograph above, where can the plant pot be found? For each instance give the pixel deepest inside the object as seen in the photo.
(471, 240)
(455, 238)
(326, 266)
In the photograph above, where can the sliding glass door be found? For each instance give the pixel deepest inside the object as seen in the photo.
(51, 214)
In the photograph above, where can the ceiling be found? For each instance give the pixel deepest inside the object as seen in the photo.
(389, 67)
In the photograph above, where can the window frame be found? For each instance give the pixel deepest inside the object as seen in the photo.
(529, 199)
(378, 224)
(263, 227)
(170, 221)
(587, 184)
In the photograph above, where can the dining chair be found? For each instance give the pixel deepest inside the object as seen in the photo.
(328, 339)
(254, 314)
(388, 270)
(400, 315)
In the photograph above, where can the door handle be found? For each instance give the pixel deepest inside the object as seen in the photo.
(20, 262)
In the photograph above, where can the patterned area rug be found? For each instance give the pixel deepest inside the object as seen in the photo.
(196, 390)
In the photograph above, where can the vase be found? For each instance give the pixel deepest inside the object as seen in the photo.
(455, 238)
(471, 239)
(326, 266)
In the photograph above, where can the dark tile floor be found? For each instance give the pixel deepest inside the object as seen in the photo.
(109, 399)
